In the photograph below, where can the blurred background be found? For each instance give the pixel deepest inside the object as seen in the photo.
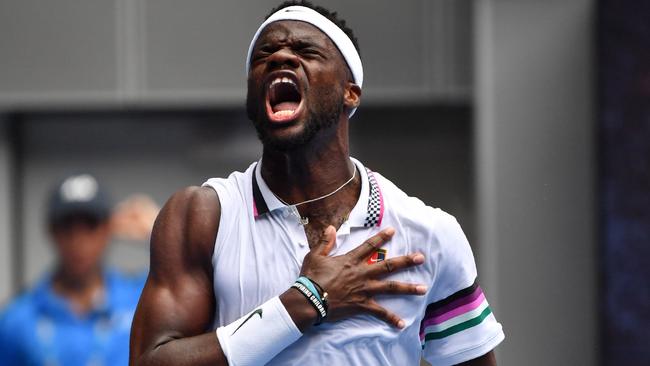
(527, 120)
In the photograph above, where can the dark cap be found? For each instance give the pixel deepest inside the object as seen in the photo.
(78, 195)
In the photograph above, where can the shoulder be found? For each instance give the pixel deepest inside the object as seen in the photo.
(195, 207)
(18, 321)
(232, 191)
(18, 312)
(190, 199)
(413, 212)
(233, 181)
(186, 226)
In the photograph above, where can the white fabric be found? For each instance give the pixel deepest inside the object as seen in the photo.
(257, 258)
(340, 39)
(257, 337)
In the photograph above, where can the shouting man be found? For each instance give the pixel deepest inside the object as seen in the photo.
(270, 258)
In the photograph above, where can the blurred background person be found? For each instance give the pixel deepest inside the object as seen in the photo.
(79, 313)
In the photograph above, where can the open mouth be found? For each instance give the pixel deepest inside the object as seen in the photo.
(283, 99)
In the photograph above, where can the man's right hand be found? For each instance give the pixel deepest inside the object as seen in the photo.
(351, 283)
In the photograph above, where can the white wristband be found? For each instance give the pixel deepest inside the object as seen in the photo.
(258, 336)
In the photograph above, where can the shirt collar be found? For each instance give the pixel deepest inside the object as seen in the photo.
(368, 211)
(264, 200)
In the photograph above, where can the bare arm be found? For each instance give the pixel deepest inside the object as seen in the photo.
(487, 359)
(171, 324)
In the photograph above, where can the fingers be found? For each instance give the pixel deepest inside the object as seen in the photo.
(329, 237)
(390, 265)
(327, 241)
(382, 313)
(394, 288)
(371, 244)
(390, 288)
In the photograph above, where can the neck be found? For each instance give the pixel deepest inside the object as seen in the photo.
(69, 285)
(81, 291)
(310, 171)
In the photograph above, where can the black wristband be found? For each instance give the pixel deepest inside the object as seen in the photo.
(313, 300)
(322, 291)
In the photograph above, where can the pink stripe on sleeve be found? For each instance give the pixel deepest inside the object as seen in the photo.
(454, 304)
(455, 312)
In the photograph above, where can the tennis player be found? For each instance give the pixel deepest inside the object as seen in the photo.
(308, 257)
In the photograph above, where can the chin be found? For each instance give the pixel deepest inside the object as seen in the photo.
(285, 140)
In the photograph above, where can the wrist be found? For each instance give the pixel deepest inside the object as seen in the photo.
(257, 337)
(301, 311)
(308, 290)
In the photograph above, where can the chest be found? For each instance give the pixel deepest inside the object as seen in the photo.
(259, 259)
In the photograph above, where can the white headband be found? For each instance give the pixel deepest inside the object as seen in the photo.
(340, 39)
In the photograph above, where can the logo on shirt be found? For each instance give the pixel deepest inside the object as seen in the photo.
(257, 311)
(377, 256)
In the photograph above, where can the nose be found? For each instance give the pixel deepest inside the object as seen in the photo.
(281, 58)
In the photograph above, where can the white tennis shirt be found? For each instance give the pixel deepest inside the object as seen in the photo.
(259, 251)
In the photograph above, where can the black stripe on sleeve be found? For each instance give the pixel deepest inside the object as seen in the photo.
(455, 296)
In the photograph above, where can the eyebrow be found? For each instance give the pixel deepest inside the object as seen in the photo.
(297, 44)
(307, 39)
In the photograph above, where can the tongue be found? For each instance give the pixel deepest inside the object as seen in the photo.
(285, 106)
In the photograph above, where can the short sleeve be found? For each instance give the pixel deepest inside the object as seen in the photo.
(458, 324)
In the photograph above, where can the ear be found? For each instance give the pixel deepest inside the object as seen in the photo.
(352, 97)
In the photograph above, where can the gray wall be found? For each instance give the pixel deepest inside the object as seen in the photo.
(5, 214)
(164, 52)
(536, 177)
(152, 153)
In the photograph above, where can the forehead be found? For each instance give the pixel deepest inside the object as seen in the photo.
(294, 31)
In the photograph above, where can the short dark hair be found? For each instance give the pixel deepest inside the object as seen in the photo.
(331, 15)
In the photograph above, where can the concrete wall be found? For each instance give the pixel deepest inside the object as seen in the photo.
(536, 177)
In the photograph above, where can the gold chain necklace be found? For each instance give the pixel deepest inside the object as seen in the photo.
(294, 210)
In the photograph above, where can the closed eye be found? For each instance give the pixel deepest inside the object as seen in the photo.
(258, 56)
(261, 53)
(310, 52)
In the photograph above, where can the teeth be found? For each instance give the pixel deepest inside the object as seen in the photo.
(282, 80)
(283, 113)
